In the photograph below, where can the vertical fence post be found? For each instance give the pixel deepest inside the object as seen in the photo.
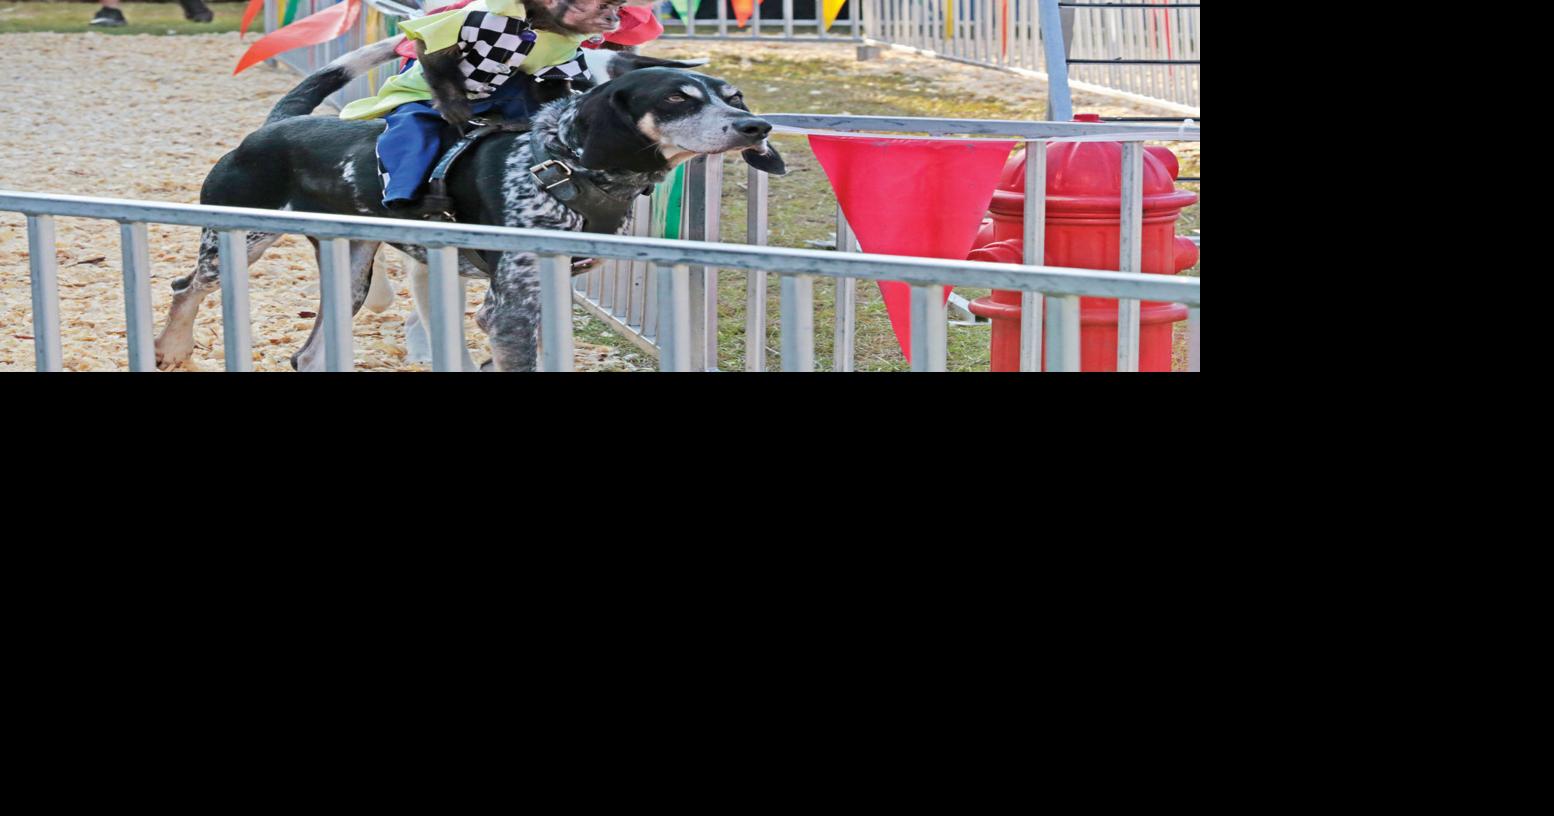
(798, 323)
(787, 17)
(334, 255)
(674, 318)
(446, 309)
(1131, 253)
(703, 189)
(137, 296)
(236, 322)
(1035, 240)
(755, 279)
(1062, 332)
(1192, 338)
(722, 17)
(556, 311)
(696, 230)
(1060, 103)
(46, 343)
(842, 349)
(928, 328)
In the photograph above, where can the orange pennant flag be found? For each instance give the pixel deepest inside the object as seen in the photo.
(743, 9)
(310, 30)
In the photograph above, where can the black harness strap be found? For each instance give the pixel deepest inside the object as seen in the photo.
(437, 197)
(601, 211)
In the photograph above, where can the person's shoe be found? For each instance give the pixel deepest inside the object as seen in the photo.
(109, 17)
(196, 11)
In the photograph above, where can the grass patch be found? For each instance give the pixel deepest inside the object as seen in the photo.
(142, 18)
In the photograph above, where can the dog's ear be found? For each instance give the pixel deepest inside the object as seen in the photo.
(769, 162)
(624, 62)
(611, 140)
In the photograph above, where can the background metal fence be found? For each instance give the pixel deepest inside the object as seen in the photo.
(1145, 51)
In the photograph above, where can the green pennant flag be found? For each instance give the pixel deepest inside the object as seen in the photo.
(667, 204)
(291, 12)
(684, 9)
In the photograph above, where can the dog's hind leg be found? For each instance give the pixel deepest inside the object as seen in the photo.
(418, 344)
(176, 342)
(311, 356)
(381, 295)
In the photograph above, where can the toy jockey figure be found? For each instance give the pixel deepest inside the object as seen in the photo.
(504, 47)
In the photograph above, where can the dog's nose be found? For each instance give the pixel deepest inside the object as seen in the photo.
(753, 127)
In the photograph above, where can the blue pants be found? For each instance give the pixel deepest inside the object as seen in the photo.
(417, 135)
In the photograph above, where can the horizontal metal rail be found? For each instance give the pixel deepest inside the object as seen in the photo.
(1115, 131)
(663, 252)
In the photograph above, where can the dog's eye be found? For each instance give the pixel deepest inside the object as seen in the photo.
(675, 98)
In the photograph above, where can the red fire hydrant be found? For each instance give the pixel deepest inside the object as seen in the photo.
(1084, 202)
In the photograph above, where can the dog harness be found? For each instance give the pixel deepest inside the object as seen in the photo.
(601, 211)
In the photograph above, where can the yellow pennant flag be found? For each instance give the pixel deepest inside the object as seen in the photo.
(949, 19)
(832, 8)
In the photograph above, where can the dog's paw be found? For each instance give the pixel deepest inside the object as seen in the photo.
(171, 353)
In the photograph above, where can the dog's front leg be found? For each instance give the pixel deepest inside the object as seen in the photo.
(511, 313)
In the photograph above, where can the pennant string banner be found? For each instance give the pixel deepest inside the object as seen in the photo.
(310, 30)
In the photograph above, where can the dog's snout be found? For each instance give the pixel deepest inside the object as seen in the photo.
(753, 127)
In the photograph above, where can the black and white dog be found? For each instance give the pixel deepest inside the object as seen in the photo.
(623, 136)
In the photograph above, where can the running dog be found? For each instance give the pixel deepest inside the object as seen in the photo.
(620, 138)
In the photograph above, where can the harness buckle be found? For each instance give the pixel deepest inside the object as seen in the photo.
(546, 165)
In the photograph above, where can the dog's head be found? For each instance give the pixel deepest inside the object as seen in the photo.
(652, 118)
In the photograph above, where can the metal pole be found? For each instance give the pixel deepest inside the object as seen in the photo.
(674, 318)
(928, 328)
(798, 323)
(1035, 241)
(1192, 339)
(755, 279)
(1131, 253)
(447, 309)
(842, 348)
(1062, 332)
(556, 311)
(1060, 102)
(334, 255)
(46, 344)
(137, 296)
(236, 322)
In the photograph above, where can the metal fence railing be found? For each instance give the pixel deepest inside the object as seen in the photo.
(672, 260)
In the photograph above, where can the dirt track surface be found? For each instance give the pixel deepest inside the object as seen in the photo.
(143, 124)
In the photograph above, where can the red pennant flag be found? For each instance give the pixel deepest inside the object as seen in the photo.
(254, 6)
(310, 30)
(919, 197)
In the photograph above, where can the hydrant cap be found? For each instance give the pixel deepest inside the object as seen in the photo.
(1088, 175)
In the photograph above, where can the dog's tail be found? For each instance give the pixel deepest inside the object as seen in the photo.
(332, 77)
